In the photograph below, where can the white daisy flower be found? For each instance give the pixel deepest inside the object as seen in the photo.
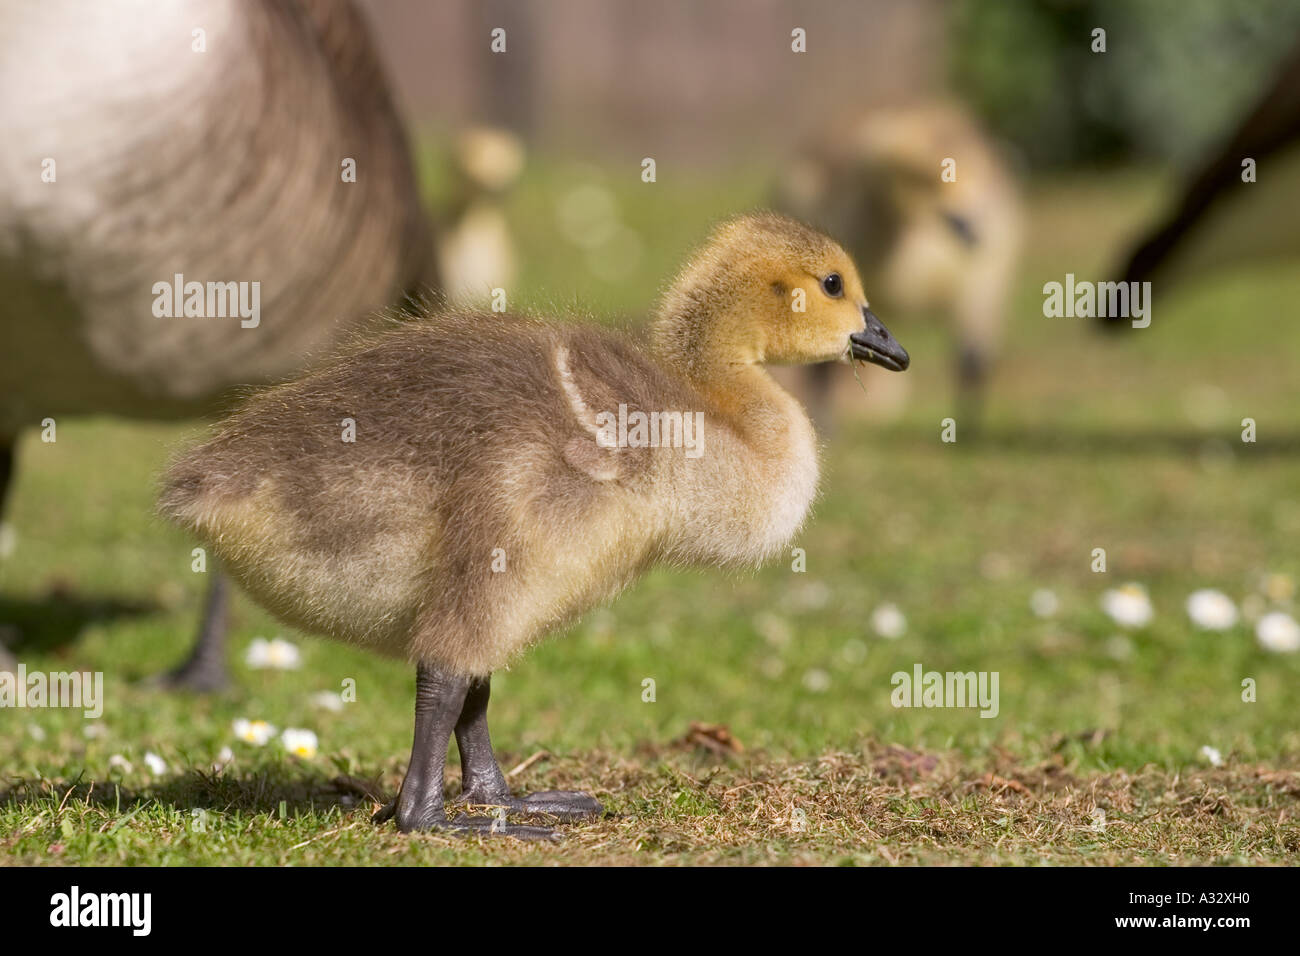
(256, 732)
(1128, 606)
(328, 700)
(888, 621)
(37, 732)
(299, 742)
(810, 596)
(157, 766)
(1213, 756)
(1044, 603)
(773, 629)
(817, 680)
(277, 654)
(1278, 631)
(1211, 610)
(224, 759)
(118, 762)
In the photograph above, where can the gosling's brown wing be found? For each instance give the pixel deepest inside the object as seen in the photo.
(607, 383)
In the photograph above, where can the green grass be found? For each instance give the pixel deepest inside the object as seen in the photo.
(1088, 443)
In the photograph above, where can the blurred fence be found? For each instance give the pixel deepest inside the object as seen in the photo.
(689, 79)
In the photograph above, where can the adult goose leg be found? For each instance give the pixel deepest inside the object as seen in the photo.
(7, 662)
(439, 700)
(483, 783)
(205, 669)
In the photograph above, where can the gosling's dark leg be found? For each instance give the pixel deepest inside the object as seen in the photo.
(439, 700)
(483, 783)
(205, 669)
(7, 661)
(972, 375)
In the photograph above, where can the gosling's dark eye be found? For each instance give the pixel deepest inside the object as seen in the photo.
(833, 285)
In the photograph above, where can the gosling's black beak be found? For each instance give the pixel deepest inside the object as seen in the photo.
(874, 344)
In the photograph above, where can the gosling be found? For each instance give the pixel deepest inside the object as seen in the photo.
(930, 238)
(488, 497)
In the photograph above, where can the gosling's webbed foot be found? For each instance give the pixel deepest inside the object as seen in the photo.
(566, 805)
(495, 826)
(562, 804)
(445, 703)
(462, 825)
(412, 814)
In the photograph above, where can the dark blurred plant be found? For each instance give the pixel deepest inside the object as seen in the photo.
(1176, 75)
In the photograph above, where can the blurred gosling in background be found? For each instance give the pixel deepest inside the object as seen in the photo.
(476, 251)
(926, 246)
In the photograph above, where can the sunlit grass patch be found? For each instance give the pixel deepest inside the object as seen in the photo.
(1129, 444)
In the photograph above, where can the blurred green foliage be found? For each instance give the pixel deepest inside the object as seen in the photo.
(1176, 76)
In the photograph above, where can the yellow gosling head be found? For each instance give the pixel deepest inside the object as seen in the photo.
(767, 289)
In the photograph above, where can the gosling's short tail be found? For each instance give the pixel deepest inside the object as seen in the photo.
(197, 483)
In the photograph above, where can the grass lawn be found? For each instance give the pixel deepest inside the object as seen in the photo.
(1128, 444)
